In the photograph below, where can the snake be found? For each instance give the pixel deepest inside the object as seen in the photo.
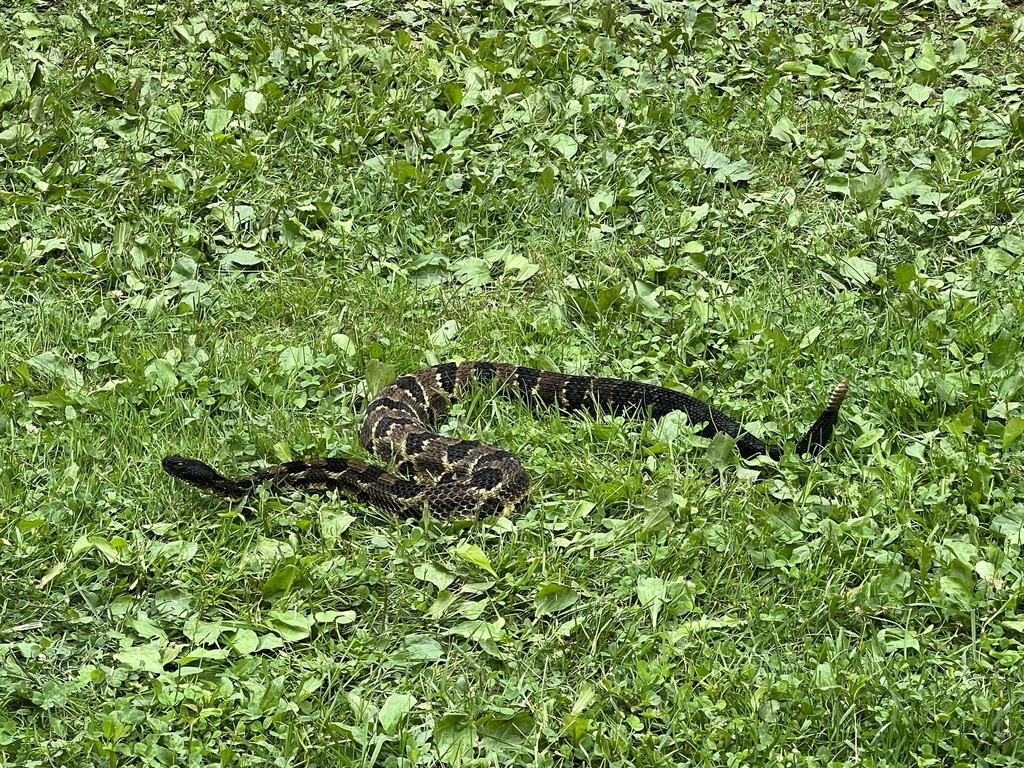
(465, 479)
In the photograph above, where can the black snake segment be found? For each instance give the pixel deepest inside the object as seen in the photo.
(465, 478)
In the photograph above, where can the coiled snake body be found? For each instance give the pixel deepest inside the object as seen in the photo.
(465, 478)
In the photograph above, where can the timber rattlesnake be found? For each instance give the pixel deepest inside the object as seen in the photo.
(466, 478)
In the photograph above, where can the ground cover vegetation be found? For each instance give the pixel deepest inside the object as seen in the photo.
(224, 225)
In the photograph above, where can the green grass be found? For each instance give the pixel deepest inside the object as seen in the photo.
(224, 226)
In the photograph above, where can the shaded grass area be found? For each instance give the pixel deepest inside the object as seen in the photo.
(224, 227)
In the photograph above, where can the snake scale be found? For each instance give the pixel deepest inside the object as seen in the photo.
(466, 478)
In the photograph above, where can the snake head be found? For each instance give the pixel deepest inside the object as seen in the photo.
(203, 476)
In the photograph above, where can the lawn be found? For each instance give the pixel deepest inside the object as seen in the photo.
(224, 226)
